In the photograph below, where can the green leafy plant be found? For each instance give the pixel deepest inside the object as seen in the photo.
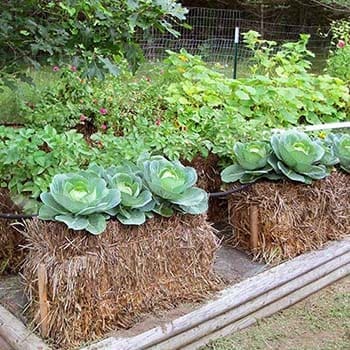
(342, 150)
(297, 157)
(136, 201)
(172, 185)
(252, 163)
(93, 34)
(80, 200)
(30, 158)
(339, 58)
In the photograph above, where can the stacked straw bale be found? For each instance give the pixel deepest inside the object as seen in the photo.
(293, 218)
(99, 283)
(209, 180)
(11, 241)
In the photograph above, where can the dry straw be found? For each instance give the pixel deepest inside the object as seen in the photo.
(293, 218)
(209, 179)
(100, 283)
(11, 241)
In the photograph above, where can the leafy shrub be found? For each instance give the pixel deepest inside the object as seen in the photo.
(339, 60)
(199, 98)
(72, 100)
(30, 158)
(94, 34)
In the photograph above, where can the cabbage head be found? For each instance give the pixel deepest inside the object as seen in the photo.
(172, 186)
(342, 150)
(136, 201)
(329, 158)
(297, 157)
(251, 163)
(81, 201)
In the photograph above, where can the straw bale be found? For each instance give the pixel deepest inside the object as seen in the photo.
(209, 180)
(100, 283)
(11, 241)
(293, 218)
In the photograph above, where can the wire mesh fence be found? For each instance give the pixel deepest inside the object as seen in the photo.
(211, 35)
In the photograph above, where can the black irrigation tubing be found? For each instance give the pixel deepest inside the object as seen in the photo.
(211, 195)
(16, 216)
(228, 192)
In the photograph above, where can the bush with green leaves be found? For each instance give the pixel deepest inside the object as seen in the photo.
(80, 200)
(339, 59)
(30, 158)
(280, 94)
(92, 34)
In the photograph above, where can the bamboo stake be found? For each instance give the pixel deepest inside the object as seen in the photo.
(254, 226)
(43, 303)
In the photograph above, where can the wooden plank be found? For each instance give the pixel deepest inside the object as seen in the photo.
(254, 226)
(4, 345)
(230, 298)
(43, 303)
(271, 309)
(252, 306)
(18, 337)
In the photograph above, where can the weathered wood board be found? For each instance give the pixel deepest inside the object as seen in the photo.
(241, 305)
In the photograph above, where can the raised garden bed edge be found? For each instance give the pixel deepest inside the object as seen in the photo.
(233, 309)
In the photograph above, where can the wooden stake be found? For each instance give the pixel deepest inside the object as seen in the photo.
(254, 226)
(43, 303)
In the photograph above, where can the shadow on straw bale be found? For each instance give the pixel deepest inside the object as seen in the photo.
(11, 241)
(100, 283)
(293, 218)
(209, 179)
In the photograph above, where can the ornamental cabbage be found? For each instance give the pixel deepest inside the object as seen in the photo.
(136, 201)
(297, 157)
(172, 186)
(252, 163)
(342, 150)
(80, 200)
(329, 158)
